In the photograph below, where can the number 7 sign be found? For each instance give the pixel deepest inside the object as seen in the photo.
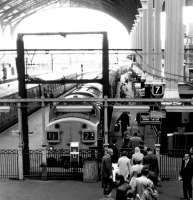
(157, 90)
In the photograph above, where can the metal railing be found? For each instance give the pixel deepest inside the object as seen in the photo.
(8, 164)
(170, 163)
(59, 164)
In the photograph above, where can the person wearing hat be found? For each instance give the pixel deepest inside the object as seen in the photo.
(137, 157)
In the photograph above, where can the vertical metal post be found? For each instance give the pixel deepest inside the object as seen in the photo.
(105, 61)
(52, 63)
(157, 151)
(105, 121)
(20, 124)
(44, 142)
(20, 148)
(106, 94)
(20, 63)
(81, 68)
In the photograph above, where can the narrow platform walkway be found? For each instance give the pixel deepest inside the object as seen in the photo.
(70, 190)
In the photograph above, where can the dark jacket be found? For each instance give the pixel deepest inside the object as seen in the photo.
(187, 172)
(121, 193)
(135, 142)
(106, 167)
(152, 162)
(115, 155)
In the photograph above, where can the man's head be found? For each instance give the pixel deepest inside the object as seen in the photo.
(119, 179)
(124, 153)
(137, 150)
(135, 134)
(145, 171)
(110, 151)
(107, 191)
(186, 156)
(114, 140)
(149, 150)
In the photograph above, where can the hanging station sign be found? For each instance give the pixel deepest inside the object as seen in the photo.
(153, 117)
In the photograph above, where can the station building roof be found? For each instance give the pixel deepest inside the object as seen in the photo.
(12, 12)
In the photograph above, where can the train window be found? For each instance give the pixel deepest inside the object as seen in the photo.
(94, 91)
(53, 136)
(88, 136)
(191, 74)
(57, 126)
(84, 126)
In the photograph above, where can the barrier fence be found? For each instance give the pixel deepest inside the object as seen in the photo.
(8, 164)
(170, 163)
(61, 165)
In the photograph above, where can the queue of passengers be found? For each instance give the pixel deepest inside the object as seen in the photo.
(136, 177)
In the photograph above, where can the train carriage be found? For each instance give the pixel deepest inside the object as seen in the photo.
(76, 121)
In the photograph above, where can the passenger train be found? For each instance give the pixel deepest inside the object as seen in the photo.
(76, 121)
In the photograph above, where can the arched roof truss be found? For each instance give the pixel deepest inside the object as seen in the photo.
(13, 12)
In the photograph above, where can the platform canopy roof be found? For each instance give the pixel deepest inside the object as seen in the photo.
(13, 12)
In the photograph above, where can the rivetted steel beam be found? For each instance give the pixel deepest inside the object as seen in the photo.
(65, 81)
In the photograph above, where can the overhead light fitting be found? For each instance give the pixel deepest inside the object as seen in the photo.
(4, 109)
(74, 108)
(131, 108)
(179, 108)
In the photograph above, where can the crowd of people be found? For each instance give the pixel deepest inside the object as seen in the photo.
(134, 171)
(136, 175)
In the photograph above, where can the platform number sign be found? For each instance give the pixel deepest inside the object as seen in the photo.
(157, 90)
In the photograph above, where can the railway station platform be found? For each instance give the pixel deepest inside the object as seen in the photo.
(70, 190)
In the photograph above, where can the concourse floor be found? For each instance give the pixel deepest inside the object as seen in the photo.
(70, 190)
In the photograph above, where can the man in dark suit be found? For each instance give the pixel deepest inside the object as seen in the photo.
(186, 174)
(151, 161)
(106, 171)
(115, 149)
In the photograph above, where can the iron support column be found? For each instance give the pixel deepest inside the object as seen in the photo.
(106, 93)
(105, 62)
(20, 63)
(20, 148)
(105, 122)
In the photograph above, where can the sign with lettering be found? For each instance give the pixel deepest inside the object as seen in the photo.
(146, 118)
(157, 114)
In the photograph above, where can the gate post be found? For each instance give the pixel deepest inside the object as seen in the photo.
(157, 152)
(44, 143)
(106, 122)
(44, 163)
(20, 163)
(20, 148)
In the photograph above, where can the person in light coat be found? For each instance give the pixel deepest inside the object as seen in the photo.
(124, 165)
